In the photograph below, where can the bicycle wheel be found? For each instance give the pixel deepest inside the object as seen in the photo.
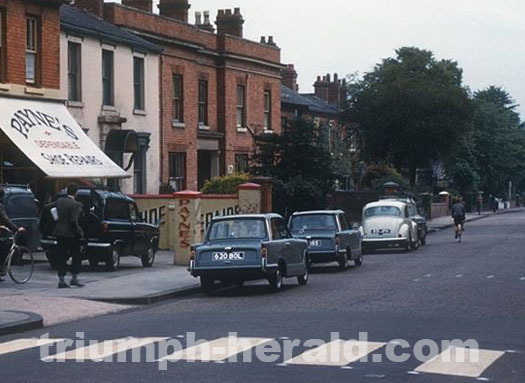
(21, 265)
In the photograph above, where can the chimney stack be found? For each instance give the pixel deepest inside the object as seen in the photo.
(95, 7)
(333, 92)
(144, 5)
(229, 23)
(289, 77)
(176, 9)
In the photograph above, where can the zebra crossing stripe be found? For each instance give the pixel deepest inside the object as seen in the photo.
(459, 361)
(101, 350)
(217, 350)
(24, 344)
(337, 353)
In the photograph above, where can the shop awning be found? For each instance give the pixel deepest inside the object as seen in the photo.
(50, 137)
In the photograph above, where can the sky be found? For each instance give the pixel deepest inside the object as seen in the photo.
(485, 37)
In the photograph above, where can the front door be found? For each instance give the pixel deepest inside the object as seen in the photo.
(203, 166)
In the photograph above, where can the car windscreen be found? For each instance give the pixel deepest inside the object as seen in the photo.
(383, 210)
(244, 228)
(313, 222)
(21, 206)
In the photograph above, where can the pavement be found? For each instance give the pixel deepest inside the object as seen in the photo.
(104, 292)
(405, 304)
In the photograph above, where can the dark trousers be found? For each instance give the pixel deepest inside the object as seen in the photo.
(5, 245)
(68, 248)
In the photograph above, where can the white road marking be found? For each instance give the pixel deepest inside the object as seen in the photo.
(491, 277)
(337, 353)
(458, 361)
(522, 279)
(483, 379)
(102, 350)
(413, 373)
(459, 276)
(417, 280)
(24, 344)
(428, 275)
(217, 350)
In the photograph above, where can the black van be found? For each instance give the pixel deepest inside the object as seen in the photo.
(21, 208)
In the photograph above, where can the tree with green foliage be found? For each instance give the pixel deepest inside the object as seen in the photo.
(495, 151)
(411, 109)
(300, 166)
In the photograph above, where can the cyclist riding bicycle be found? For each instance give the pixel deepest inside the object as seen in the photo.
(5, 239)
(458, 215)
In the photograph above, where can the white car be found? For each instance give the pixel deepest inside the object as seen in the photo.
(389, 224)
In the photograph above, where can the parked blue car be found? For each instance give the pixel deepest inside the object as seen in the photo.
(330, 238)
(249, 247)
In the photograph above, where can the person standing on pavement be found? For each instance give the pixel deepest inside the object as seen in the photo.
(68, 233)
(479, 202)
(5, 242)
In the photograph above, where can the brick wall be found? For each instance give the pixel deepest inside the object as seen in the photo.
(225, 62)
(48, 45)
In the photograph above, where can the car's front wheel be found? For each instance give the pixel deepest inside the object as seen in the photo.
(276, 280)
(359, 261)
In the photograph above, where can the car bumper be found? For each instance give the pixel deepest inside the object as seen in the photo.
(325, 256)
(384, 243)
(233, 272)
(91, 247)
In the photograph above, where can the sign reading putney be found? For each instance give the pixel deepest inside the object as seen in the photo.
(50, 137)
(26, 119)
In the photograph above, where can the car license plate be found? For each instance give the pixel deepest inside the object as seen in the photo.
(315, 242)
(228, 256)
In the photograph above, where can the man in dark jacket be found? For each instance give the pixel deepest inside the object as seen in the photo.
(5, 242)
(458, 214)
(68, 233)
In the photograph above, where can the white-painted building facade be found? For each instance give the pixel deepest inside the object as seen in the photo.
(110, 78)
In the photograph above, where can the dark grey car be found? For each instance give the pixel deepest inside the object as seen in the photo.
(249, 247)
(21, 208)
(329, 236)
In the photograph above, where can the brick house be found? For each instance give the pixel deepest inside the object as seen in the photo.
(217, 89)
(41, 145)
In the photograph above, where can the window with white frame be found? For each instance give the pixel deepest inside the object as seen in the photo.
(74, 72)
(138, 83)
(241, 106)
(267, 110)
(32, 37)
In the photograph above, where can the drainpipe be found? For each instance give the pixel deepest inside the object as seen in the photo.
(161, 121)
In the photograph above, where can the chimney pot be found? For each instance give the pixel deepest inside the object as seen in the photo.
(270, 40)
(263, 39)
(206, 17)
(228, 12)
(237, 11)
(198, 18)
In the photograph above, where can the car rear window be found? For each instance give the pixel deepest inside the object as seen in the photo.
(314, 222)
(383, 210)
(117, 209)
(238, 228)
(21, 206)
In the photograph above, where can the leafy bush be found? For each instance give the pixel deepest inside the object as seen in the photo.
(225, 184)
(378, 174)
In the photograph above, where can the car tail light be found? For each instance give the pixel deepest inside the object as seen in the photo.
(264, 252)
(105, 228)
(192, 255)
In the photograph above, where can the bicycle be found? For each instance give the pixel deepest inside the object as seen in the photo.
(459, 231)
(19, 263)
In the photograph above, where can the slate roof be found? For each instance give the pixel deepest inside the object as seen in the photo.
(310, 101)
(84, 23)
